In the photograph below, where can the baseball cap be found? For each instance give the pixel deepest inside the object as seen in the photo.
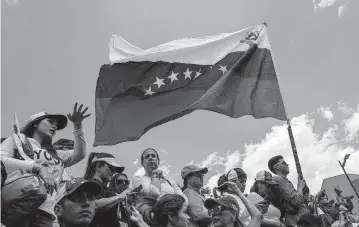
(60, 119)
(265, 176)
(110, 161)
(236, 173)
(192, 169)
(77, 184)
(226, 201)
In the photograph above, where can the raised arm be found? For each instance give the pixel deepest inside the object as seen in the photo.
(79, 152)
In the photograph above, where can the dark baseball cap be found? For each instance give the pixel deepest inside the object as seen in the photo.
(77, 184)
(226, 201)
(192, 169)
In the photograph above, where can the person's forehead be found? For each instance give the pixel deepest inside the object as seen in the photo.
(121, 177)
(149, 152)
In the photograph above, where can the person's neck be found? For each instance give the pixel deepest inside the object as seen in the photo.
(62, 224)
(38, 138)
(194, 188)
(148, 173)
(283, 174)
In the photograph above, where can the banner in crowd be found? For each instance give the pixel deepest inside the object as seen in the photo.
(231, 74)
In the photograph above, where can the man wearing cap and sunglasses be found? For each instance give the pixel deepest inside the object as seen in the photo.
(193, 182)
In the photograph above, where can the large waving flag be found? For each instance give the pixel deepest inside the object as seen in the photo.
(231, 74)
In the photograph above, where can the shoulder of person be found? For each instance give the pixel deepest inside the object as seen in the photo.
(254, 197)
(277, 178)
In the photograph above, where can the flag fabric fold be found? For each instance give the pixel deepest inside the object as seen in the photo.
(231, 74)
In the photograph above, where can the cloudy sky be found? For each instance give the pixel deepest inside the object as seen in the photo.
(52, 52)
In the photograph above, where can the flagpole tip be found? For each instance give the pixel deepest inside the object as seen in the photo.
(265, 23)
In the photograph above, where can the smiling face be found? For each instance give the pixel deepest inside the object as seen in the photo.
(46, 128)
(150, 160)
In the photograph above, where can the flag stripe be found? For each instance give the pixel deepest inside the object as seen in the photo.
(202, 51)
(249, 89)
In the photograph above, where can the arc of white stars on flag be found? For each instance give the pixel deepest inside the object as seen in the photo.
(149, 91)
(173, 76)
(187, 74)
(159, 82)
(223, 69)
(197, 74)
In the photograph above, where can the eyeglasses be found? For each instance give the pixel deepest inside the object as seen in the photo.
(122, 182)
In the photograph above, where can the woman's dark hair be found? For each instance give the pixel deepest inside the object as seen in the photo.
(169, 203)
(113, 184)
(185, 183)
(90, 169)
(148, 149)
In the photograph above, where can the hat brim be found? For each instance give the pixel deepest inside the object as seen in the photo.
(210, 203)
(118, 167)
(60, 119)
(271, 182)
(199, 170)
(88, 186)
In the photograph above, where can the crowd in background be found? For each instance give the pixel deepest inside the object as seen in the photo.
(37, 191)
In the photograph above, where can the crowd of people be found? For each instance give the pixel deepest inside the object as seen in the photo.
(37, 191)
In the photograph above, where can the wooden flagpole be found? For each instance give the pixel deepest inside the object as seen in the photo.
(290, 132)
(351, 183)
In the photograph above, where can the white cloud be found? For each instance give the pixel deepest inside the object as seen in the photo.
(340, 4)
(211, 160)
(140, 172)
(12, 2)
(352, 126)
(326, 113)
(318, 152)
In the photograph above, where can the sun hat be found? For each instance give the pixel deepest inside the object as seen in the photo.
(29, 126)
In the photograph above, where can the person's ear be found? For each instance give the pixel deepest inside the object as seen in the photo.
(58, 210)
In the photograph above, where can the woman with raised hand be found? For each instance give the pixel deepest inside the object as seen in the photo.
(42, 159)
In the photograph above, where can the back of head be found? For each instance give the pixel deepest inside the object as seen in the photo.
(166, 205)
(90, 170)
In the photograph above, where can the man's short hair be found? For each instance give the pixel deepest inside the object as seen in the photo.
(274, 161)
